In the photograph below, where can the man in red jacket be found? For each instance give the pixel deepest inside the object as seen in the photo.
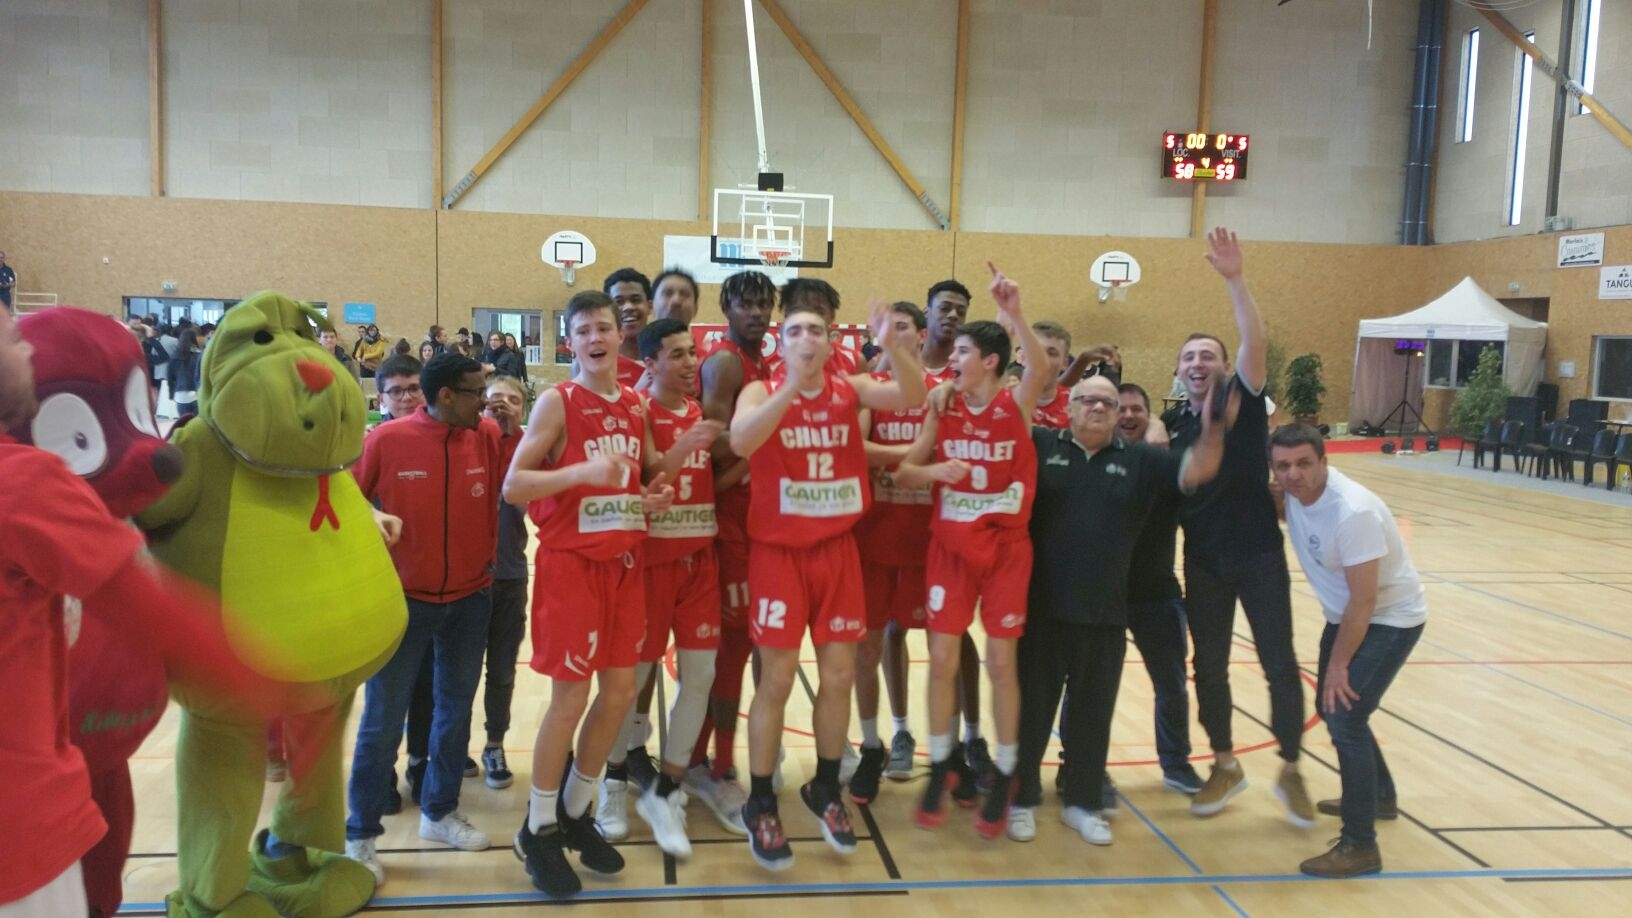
(439, 469)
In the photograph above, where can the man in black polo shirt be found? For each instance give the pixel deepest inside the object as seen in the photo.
(1077, 612)
(1233, 550)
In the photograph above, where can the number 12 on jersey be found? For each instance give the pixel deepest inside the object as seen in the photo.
(820, 466)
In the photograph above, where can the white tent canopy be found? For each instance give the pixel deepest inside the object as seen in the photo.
(1464, 313)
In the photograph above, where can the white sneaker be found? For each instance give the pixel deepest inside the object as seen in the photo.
(667, 817)
(723, 798)
(848, 763)
(1090, 825)
(612, 815)
(361, 850)
(1022, 823)
(776, 775)
(453, 829)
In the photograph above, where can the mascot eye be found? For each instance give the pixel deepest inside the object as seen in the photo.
(139, 404)
(68, 427)
(263, 337)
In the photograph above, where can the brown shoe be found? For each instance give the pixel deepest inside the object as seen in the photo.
(1290, 791)
(1222, 784)
(1386, 809)
(1345, 860)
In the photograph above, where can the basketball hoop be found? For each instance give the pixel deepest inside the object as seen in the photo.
(773, 258)
(1117, 288)
(567, 267)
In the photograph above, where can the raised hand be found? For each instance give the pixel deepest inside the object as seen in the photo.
(1007, 294)
(1224, 253)
(659, 494)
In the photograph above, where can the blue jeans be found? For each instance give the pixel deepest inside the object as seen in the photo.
(1158, 631)
(456, 633)
(1364, 774)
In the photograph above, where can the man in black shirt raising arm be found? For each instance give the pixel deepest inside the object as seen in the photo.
(1233, 550)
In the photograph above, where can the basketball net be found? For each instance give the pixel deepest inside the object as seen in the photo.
(569, 268)
(773, 259)
(1114, 288)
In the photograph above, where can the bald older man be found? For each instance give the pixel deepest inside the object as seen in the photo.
(1077, 614)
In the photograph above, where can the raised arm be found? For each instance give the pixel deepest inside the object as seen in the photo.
(1224, 254)
(906, 386)
(758, 413)
(1201, 461)
(1007, 294)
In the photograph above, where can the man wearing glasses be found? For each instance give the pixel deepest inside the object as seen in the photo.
(1077, 613)
(440, 469)
(401, 395)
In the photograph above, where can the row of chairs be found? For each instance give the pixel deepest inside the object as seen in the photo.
(1553, 451)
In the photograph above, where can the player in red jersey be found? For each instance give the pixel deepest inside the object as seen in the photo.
(631, 293)
(1052, 405)
(579, 469)
(893, 540)
(802, 434)
(682, 590)
(985, 475)
(818, 296)
(746, 299)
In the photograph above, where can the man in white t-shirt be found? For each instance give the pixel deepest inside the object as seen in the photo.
(1356, 562)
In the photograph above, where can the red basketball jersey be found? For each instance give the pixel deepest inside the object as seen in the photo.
(688, 526)
(1055, 414)
(629, 371)
(841, 361)
(731, 504)
(810, 477)
(993, 503)
(598, 523)
(896, 531)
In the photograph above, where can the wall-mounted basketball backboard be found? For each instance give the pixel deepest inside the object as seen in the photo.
(1114, 272)
(783, 228)
(568, 251)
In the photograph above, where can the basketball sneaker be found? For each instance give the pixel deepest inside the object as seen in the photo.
(766, 839)
(994, 810)
(724, 797)
(902, 748)
(864, 783)
(612, 811)
(545, 857)
(943, 780)
(667, 817)
(583, 835)
(642, 768)
(831, 815)
(966, 793)
(979, 757)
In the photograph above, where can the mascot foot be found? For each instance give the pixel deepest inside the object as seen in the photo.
(310, 883)
(247, 905)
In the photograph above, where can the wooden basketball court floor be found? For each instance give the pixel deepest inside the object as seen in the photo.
(1509, 732)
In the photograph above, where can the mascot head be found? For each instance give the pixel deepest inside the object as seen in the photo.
(96, 407)
(279, 400)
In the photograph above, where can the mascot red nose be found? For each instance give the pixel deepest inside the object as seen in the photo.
(96, 413)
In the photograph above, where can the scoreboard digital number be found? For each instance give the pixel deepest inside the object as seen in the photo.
(1200, 157)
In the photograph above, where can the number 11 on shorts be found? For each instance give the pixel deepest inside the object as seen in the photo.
(772, 613)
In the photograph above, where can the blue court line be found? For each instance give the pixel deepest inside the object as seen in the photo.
(1230, 902)
(1436, 578)
(1174, 847)
(661, 892)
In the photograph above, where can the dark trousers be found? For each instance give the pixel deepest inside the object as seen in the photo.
(1364, 774)
(1158, 632)
(1089, 658)
(1264, 588)
(420, 706)
(504, 635)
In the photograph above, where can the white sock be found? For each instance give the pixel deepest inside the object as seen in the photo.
(971, 731)
(901, 725)
(869, 733)
(580, 792)
(1007, 755)
(541, 808)
(940, 747)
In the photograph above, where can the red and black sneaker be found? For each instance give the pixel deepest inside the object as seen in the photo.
(864, 783)
(828, 806)
(943, 779)
(965, 793)
(765, 836)
(994, 811)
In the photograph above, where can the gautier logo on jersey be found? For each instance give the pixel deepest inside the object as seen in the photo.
(611, 512)
(964, 507)
(839, 497)
(685, 521)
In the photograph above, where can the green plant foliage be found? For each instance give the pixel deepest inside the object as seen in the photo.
(1303, 386)
(1483, 399)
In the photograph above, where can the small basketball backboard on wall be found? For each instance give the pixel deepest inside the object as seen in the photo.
(773, 228)
(567, 251)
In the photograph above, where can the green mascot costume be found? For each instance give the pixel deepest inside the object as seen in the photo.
(267, 515)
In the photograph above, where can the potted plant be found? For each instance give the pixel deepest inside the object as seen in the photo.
(1304, 389)
(1483, 399)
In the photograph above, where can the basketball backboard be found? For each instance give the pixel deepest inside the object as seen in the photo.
(783, 228)
(568, 251)
(1114, 272)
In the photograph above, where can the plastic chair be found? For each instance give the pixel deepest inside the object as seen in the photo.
(1489, 440)
(1560, 451)
(1513, 441)
(1622, 456)
(1601, 450)
(1535, 450)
